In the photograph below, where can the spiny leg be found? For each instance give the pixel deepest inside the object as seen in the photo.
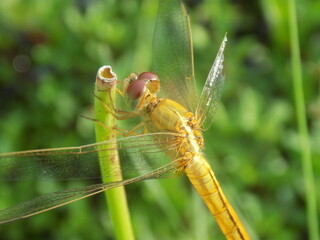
(133, 130)
(118, 117)
(117, 130)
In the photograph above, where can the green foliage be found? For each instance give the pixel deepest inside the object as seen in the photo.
(50, 53)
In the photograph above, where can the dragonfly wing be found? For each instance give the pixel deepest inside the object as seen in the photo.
(56, 199)
(211, 92)
(172, 53)
(139, 154)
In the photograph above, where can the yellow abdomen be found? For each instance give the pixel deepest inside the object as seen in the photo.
(206, 184)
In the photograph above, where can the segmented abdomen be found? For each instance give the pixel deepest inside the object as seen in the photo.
(206, 184)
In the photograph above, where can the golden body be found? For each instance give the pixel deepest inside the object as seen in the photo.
(168, 115)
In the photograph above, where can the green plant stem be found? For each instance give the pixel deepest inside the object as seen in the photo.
(302, 125)
(109, 161)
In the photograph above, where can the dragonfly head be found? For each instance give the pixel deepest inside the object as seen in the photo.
(137, 86)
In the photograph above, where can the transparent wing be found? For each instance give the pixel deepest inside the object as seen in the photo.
(143, 157)
(56, 199)
(211, 92)
(138, 155)
(172, 54)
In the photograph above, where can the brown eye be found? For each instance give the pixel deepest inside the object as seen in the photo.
(148, 76)
(136, 89)
(152, 80)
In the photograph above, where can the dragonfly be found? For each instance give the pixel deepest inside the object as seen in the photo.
(167, 142)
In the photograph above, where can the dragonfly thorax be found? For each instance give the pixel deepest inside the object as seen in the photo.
(190, 136)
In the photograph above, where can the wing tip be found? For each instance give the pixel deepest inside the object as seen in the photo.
(225, 39)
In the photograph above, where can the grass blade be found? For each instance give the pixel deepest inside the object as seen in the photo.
(302, 125)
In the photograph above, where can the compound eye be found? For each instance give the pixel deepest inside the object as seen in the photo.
(148, 76)
(152, 80)
(136, 89)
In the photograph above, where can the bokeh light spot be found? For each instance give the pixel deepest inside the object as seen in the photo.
(21, 63)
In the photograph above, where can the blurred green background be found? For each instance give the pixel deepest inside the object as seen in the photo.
(50, 52)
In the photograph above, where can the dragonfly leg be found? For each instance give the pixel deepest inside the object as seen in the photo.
(145, 129)
(120, 131)
(118, 114)
(119, 92)
(114, 129)
(133, 130)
